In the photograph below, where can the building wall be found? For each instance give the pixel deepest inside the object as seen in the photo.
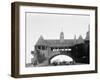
(79, 52)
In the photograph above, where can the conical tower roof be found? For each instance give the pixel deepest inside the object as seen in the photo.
(80, 40)
(40, 41)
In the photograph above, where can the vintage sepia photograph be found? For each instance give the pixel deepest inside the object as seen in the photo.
(57, 39)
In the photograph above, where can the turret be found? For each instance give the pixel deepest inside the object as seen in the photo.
(88, 33)
(40, 41)
(61, 37)
(75, 39)
(80, 40)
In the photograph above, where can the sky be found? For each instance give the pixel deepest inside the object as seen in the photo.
(50, 26)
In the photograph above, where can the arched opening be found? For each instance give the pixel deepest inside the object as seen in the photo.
(61, 60)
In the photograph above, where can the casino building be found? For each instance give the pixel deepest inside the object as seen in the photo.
(78, 49)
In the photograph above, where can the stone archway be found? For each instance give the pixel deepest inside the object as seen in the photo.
(61, 59)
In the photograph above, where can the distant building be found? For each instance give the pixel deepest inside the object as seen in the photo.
(78, 49)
